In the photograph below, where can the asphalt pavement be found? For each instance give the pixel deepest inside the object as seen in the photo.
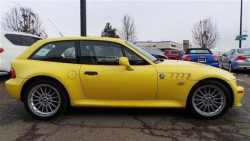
(123, 124)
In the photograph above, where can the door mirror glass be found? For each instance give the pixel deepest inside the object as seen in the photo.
(123, 61)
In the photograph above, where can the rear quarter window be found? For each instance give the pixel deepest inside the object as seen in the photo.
(14, 39)
(56, 52)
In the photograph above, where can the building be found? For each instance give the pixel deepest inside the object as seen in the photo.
(163, 45)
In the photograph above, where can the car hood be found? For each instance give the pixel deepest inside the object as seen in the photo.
(197, 71)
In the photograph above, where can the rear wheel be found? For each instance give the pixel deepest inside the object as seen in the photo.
(209, 100)
(231, 69)
(45, 100)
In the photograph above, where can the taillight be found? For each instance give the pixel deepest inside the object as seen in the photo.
(187, 58)
(12, 73)
(216, 58)
(1, 50)
(241, 58)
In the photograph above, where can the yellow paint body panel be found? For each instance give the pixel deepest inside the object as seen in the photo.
(114, 86)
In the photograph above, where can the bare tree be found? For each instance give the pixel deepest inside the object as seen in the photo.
(128, 31)
(205, 34)
(23, 19)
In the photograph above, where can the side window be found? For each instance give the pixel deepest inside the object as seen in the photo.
(233, 52)
(14, 39)
(133, 58)
(57, 52)
(229, 53)
(100, 53)
(28, 41)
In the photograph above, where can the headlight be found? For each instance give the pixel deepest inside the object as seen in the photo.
(236, 82)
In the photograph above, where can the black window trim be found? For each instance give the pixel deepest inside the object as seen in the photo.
(77, 51)
(120, 45)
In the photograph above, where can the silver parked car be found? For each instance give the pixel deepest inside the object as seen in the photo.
(236, 59)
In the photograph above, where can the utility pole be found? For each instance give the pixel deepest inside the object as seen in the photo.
(83, 17)
(241, 3)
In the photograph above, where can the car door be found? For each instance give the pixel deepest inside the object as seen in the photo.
(103, 78)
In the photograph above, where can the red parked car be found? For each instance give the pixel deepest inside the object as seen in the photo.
(173, 54)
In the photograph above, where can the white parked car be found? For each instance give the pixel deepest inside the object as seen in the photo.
(11, 45)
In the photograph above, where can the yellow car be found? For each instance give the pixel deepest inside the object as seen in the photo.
(104, 72)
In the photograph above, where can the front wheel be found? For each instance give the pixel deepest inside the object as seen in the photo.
(209, 100)
(45, 100)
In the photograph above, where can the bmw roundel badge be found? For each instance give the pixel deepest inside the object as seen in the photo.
(162, 76)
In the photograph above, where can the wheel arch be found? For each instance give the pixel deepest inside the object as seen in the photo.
(223, 82)
(42, 77)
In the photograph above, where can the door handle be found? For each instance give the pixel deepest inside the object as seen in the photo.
(90, 73)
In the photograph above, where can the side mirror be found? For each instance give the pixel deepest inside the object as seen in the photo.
(123, 61)
(224, 55)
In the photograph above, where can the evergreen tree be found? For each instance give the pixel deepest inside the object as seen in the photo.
(108, 31)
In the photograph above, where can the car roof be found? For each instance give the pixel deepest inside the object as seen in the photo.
(198, 49)
(81, 38)
(18, 33)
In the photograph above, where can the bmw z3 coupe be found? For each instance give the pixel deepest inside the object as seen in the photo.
(103, 72)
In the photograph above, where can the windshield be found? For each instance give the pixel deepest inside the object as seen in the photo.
(152, 58)
(154, 51)
(198, 51)
(244, 51)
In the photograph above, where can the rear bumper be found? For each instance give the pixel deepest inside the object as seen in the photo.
(216, 64)
(14, 87)
(241, 65)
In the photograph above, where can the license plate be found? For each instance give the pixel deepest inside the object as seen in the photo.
(202, 60)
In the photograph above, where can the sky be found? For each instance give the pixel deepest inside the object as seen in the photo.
(168, 20)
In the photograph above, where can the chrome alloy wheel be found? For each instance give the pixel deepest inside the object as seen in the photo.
(44, 100)
(209, 100)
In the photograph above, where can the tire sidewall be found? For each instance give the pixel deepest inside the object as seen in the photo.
(218, 85)
(62, 94)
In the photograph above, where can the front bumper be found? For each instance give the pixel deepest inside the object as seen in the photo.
(14, 87)
(238, 93)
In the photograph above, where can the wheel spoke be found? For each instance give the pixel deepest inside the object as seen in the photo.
(216, 95)
(199, 96)
(201, 106)
(217, 98)
(35, 96)
(201, 93)
(41, 90)
(38, 93)
(54, 101)
(53, 105)
(213, 92)
(199, 103)
(50, 108)
(212, 108)
(205, 90)
(34, 100)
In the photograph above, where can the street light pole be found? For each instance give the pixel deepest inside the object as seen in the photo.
(83, 17)
(241, 3)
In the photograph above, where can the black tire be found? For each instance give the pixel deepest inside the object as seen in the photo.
(214, 84)
(231, 69)
(61, 94)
